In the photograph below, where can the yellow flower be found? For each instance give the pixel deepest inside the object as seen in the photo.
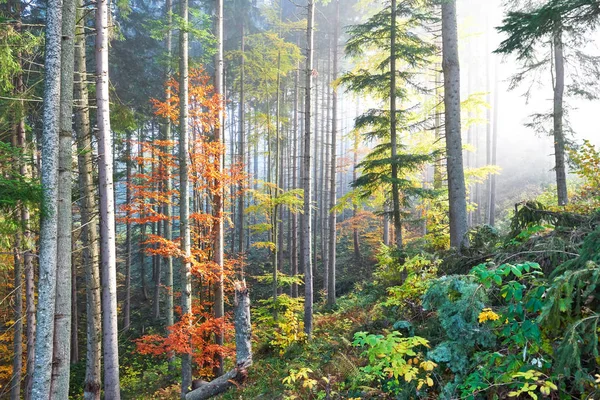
(488, 315)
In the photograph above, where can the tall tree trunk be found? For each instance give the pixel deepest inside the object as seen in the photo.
(355, 236)
(305, 242)
(559, 135)
(20, 246)
(169, 182)
(74, 308)
(44, 340)
(393, 134)
(274, 211)
(294, 249)
(456, 175)
(62, 317)
(108, 254)
(242, 142)
(15, 380)
(184, 195)
(325, 176)
(89, 222)
(128, 238)
(494, 151)
(218, 197)
(332, 185)
(142, 224)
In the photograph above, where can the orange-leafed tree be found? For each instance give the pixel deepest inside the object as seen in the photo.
(195, 332)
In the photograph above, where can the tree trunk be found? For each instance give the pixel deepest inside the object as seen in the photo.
(559, 136)
(62, 316)
(456, 174)
(108, 254)
(42, 373)
(74, 308)
(393, 135)
(128, 238)
(89, 222)
(332, 185)
(184, 195)
(294, 249)
(169, 181)
(242, 143)
(494, 151)
(218, 197)
(243, 347)
(305, 243)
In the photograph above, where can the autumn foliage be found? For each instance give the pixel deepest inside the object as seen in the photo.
(193, 333)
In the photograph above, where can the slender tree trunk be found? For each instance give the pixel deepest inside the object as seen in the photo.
(393, 135)
(326, 178)
(108, 254)
(294, 250)
(494, 151)
(332, 185)
(89, 222)
(218, 197)
(74, 308)
(20, 248)
(62, 317)
(274, 211)
(184, 195)
(305, 242)
(128, 238)
(169, 181)
(456, 174)
(15, 381)
(42, 374)
(242, 142)
(559, 135)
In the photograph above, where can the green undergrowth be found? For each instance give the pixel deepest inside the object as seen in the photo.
(515, 316)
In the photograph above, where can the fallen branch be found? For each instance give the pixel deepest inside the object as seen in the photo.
(243, 347)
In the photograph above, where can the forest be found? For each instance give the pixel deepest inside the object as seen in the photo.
(299, 199)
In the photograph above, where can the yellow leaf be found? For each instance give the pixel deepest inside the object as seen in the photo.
(429, 381)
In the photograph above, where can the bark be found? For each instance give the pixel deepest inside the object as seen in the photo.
(274, 211)
(243, 346)
(62, 316)
(242, 143)
(218, 197)
(456, 175)
(305, 243)
(169, 181)
(42, 373)
(128, 238)
(15, 381)
(184, 206)
(89, 222)
(108, 255)
(559, 136)
(494, 151)
(332, 185)
(74, 308)
(294, 249)
(393, 135)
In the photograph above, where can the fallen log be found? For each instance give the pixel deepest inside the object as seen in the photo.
(243, 349)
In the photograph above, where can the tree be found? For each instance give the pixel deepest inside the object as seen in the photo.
(108, 254)
(62, 318)
(456, 176)
(49, 224)
(333, 160)
(552, 24)
(184, 196)
(305, 237)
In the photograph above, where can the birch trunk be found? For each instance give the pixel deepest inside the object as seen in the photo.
(218, 198)
(184, 206)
